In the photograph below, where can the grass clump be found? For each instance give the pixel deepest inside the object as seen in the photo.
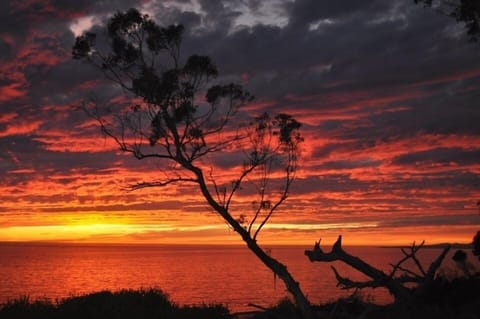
(124, 304)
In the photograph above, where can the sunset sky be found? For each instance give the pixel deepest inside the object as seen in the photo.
(388, 93)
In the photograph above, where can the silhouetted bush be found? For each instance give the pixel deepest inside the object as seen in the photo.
(200, 312)
(23, 308)
(456, 292)
(124, 304)
(285, 308)
(445, 299)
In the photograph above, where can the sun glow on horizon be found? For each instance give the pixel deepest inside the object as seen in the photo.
(354, 234)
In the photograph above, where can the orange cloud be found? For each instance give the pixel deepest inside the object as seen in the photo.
(11, 91)
(21, 128)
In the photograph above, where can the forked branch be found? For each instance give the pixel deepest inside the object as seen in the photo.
(396, 284)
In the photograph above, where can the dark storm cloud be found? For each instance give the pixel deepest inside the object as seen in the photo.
(327, 150)
(20, 144)
(457, 219)
(23, 151)
(94, 7)
(304, 12)
(433, 115)
(219, 15)
(6, 49)
(270, 54)
(455, 156)
(463, 184)
(331, 183)
(349, 164)
(15, 149)
(360, 52)
(14, 21)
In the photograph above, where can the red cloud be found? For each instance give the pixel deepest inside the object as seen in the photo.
(11, 91)
(22, 127)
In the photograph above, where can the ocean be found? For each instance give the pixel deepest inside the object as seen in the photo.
(230, 275)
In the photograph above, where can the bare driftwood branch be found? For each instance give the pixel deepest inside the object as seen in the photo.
(396, 285)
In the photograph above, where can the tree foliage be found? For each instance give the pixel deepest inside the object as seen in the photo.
(464, 11)
(476, 245)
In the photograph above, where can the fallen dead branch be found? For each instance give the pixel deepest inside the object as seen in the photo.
(403, 283)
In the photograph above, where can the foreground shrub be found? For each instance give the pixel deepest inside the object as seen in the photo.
(25, 308)
(457, 298)
(202, 312)
(124, 304)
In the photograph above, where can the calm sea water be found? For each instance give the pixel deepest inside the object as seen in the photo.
(189, 274)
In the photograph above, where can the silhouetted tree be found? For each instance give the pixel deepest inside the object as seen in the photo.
(176, 118)
(465, 11)
(460, 258)
(476, 244)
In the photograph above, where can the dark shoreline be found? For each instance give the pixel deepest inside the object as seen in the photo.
(435, 246)
(457, 297)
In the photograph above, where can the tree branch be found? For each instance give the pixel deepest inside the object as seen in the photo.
(162, 183)
(395, 285)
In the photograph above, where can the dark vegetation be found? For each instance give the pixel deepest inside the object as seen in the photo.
(463, 11)
(447, 299)
(124, 304)
(476, 245)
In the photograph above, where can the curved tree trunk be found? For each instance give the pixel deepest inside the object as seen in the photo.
(274, 265)
(282, 272)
